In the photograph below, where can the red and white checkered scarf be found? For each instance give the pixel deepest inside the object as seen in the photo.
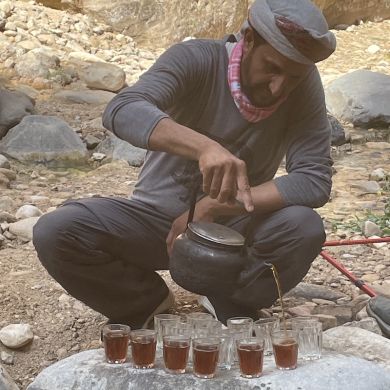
(247, 109)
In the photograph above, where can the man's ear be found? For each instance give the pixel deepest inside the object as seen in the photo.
(249, 40)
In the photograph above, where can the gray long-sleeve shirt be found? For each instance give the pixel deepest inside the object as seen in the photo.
(188, 83)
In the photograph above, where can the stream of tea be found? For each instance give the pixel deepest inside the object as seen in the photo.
(277, 280)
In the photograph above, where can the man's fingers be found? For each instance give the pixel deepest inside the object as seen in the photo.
(244, 188)
(228, 188)
(215, 188)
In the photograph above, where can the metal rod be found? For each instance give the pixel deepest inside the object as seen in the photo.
(191, 213)
(357, 242)
(358, 283)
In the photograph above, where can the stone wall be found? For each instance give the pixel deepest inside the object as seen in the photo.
(161, 22)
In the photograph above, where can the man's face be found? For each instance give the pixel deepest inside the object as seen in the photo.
(266, 75)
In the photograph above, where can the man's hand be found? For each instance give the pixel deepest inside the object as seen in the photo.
(224, 175)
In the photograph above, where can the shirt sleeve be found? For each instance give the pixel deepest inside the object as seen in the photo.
(135, 111)
(308, 160)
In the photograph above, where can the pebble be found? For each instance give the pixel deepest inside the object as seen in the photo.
(378, 174)
(373, 49)
(7, 358)
(16, 335)
(370, 229)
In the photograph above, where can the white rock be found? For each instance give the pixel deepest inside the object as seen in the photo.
(6, 203)
(78, 56)
(7, 358)
(370, 229)
(373, 49)
(98, 156)
(23, 228)
(107, 77)
(4, 162)
(379, 245)
(378, 174)
(16, 335)
(28, 211)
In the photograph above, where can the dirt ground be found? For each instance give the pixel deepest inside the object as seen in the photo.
(63, 326)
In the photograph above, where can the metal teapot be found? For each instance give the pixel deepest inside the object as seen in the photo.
(212, 259)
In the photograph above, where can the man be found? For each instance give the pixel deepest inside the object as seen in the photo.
(220, 115)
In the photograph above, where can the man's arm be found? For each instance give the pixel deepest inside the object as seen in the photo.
(137, 115)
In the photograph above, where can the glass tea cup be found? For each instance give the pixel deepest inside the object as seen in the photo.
(116, 341)
(285, 346)
(250, 353)
(143, 347)
(205, 356)
(309, 337)
(263, 328)
(176, 351)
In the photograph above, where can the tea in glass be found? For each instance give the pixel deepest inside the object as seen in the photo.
(205, 357)
(175, 350)
(285, 345)
(143, 347)
(116, 342)
(250, 355)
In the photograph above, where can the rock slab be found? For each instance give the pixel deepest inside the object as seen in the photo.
(361, 97)
(88, 371)
(44, 139)
(358, 342)
(14, 106)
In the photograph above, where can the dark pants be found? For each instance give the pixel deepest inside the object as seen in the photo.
(105, 251)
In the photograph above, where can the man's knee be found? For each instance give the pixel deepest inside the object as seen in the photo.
(305, 223)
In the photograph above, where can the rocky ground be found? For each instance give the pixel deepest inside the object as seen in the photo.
(63, 326)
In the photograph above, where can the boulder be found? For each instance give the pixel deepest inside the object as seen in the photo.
(28, 211)
(361, 97)
(116, 149)
(6, 382)
(37, 63)
(85, 97)
(44, 139)
(339, 12)
(100, 75)
(23, 228)
(87, 370)
(14, 106)
(358, 342)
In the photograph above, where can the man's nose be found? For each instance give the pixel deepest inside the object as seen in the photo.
(277, 85)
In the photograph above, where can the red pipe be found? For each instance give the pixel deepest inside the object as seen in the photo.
(357, 242)
(358, 283)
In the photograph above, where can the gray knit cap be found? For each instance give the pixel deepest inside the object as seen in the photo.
(295, 28)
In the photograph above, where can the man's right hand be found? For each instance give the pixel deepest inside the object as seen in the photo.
(224, 175)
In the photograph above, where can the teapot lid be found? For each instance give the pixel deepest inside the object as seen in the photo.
(217, 233)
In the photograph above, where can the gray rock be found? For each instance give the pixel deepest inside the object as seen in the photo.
(6, 382)
(4, 162)
(14, 106)
(16, 335)
(24, 228)
(10, 175)
(369, 324)
(338, 133)
(343, 313)
(6, 217)
(312, 291)
(370, 228)
(98, 156)
(7, 358)
(361, 97)
(358, 342)
(91, 141)
(28, 211)
(87, 370)
(6, 203)
(367, 187)
(378, 174)
(116, 149)
(100, 75)
(37, 63)
(85, 97)
(44, 139)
